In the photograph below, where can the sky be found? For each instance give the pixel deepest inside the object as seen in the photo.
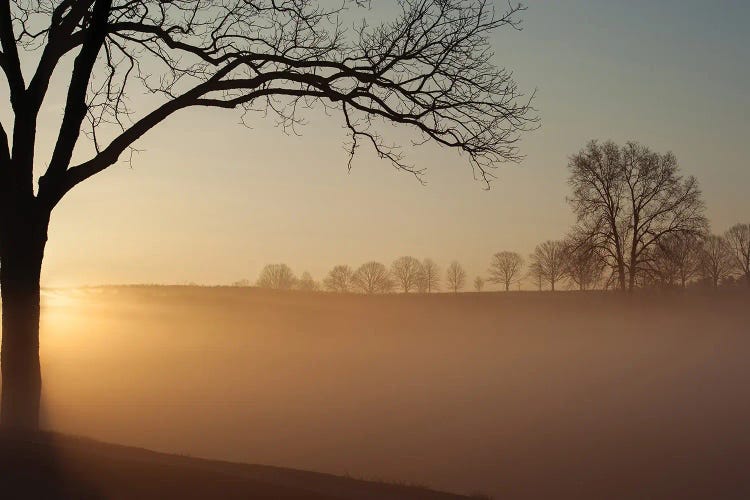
(209, 201)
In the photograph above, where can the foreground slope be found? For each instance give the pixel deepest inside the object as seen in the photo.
(54, 466)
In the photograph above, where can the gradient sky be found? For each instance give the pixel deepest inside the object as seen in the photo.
(211, 202)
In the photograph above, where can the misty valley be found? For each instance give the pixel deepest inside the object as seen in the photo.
(461, 392)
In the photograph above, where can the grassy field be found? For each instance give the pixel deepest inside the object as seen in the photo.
(518, 395)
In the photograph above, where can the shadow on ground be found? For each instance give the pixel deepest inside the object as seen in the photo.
(52, 466)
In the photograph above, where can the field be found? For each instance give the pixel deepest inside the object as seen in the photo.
(517, 395)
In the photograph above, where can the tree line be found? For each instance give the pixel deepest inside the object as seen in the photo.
(639, 224)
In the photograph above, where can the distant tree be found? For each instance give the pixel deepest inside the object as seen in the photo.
(626, 199)
(717, 262)
(430, 279)
(536, 275)
(339, 279)
(407, 273)
(241, 283)
(372, 277)
(584, 265)
(277, 277)
(674, 260)
(505, 268)
(478, 284)
(455, 277)
(307, 283)
(738, 239)
(548, 261)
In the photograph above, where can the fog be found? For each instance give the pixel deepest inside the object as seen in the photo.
(515, 395)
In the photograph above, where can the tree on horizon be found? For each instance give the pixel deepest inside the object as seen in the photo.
(505, 268)
(407, 273)
(626, 198)
(373, 278)
(455, 277)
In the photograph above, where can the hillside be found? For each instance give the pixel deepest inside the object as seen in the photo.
(53, 466)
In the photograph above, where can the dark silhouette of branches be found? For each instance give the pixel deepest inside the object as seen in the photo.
(505, 268)
(627, 198)
(738, 239)
(277, 277)
(339, 279)
(372, 278)
(430, 278)
(548, 262)
(674, 260)
(716, 260)
(407, 273)
(478, 284)
(455, 277)
(584, 264)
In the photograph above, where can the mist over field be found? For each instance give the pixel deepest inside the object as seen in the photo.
(516, 395)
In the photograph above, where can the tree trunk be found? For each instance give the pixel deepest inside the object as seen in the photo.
(21, 251)
(621, 275)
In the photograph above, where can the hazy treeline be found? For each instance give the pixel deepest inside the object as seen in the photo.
(639, 224)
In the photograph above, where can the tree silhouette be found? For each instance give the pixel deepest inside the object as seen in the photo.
(455, 277)
(407, 272)
(306, 283)
(505, 268)
(738, 239)
(339, 279)
(548, 262)
(371, 278)
(478, 284)
(717, 262)
(277, 277)
(430, 68)
(627, 198)
(430, 279)
(584, 264)
(537, 275)
(674, 260)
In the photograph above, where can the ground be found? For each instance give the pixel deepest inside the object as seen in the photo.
(519, 395)
(52, 466)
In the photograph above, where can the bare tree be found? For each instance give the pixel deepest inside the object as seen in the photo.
(429, 68)
(306, 283)
(738, 239)
(717, 262)
(627, 198)
(407, 272)
(372, 277)
(455, 277)
(339, 279)
(430, 278)
(277, 277)
(537, 275)
(478, 284)
(505, 268)
(674, 260)
(584, 264)
(548, 261)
